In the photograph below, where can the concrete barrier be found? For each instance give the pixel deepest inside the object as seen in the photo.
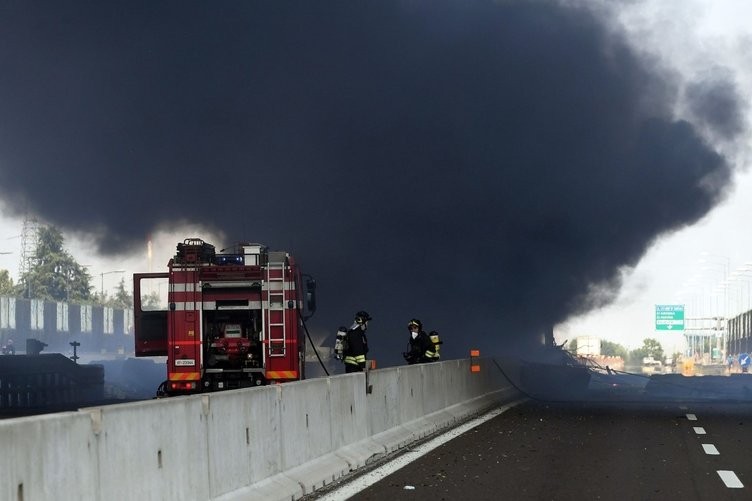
(159, 443)
(277, 442)
(48, 457)
(243, 428)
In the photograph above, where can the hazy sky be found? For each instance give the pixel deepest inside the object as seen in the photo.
(688, 266)
(491, 168)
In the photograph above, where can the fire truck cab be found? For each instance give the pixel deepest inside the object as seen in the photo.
(233, 319)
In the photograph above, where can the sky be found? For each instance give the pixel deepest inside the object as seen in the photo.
(492, 168)
(688, 266)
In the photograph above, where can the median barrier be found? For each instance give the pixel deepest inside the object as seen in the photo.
(48, 457)
(154, 449)
(275, 442)
(243, 428)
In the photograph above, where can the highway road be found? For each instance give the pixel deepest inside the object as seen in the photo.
(581, 451)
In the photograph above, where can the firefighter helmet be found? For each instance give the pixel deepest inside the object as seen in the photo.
(362, 317)
(414, 323)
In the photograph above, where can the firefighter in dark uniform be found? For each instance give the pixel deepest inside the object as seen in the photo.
(356, 343)
(420, 347)
(9, 348)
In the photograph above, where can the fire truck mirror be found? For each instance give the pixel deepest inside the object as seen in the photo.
(310, 295)
(311, 285)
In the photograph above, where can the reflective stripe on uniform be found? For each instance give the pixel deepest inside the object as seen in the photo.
(431, 355)
(355, 360)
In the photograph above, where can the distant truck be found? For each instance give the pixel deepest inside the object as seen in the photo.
(669, 365)
(651, 366)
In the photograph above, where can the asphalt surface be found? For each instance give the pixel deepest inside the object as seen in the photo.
(606, 451)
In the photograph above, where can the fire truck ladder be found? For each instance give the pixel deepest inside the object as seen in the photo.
(276, 293)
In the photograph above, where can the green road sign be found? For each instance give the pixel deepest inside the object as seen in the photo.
(669, 317)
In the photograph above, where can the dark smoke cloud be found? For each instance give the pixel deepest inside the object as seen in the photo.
(479, 165)
(713, 104)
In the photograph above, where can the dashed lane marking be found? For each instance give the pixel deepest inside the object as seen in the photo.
(710, 449)
(730, 479)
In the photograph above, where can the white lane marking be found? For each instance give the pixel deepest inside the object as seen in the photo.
(683, 407)
(691, 417)
(730, 479)
(360, 483)
(699, 430)
(710, 449)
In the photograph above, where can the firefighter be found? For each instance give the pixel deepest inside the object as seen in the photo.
(9, 349)
(355, 343)
(420, 347)
(434, 354)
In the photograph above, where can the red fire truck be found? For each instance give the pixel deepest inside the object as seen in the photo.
(233, 319)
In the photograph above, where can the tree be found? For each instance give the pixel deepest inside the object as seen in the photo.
(610, 349)
(650, 348)
(55, 274)
(6, 284)
(151, 301)
(122, 298)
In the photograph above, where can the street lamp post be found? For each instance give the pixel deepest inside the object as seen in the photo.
(102, 278)
(724, 262)
(741, 275)
(735, 287)
(742, 307)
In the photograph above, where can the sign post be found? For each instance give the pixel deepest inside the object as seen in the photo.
(669, 317)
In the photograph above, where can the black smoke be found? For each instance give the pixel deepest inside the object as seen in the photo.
(481, 165)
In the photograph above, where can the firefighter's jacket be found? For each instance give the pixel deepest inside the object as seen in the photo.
(356, 347)
(421, 349)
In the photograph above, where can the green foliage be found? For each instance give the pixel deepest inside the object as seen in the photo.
(122, 298)
(650, 348)
(152, 301)
(636, 355)
(6, 284)
(54, 274)
(610, 349)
